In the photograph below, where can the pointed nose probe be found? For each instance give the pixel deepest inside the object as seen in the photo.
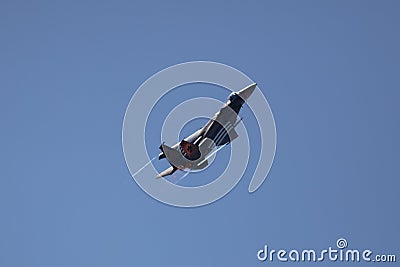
(246, 92)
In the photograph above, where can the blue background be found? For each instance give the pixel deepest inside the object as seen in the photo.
(329, 69)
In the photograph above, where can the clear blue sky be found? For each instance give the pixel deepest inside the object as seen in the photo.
(329, 69)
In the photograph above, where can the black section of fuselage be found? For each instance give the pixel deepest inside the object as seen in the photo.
(235, 102)
(219, 133)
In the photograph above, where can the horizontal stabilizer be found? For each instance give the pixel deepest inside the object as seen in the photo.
(167, 172)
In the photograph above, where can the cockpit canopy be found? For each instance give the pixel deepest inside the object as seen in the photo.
(233, 96)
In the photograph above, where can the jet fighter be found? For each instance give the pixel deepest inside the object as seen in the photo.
(194, 151)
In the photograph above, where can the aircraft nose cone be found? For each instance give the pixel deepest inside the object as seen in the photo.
(246, 92)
